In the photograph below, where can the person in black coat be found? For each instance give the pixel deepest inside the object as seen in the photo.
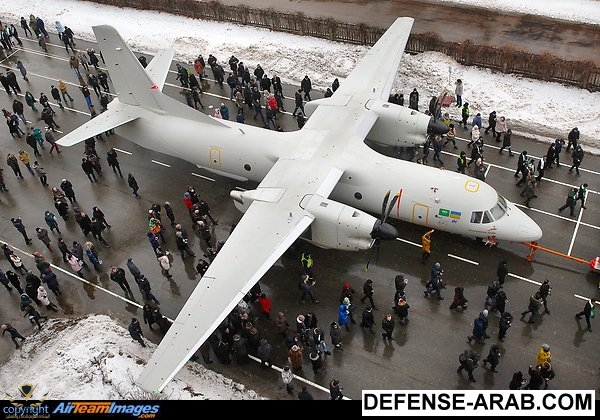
(117, 274)
(306, 86)
(504, 324)
(368, 320)
(135, 330)
(15, 280)
(468, 361)
(131, 181)
(587, 312)
(502, 272)
(413, 100)
(51, 280)
(304, 394)
(67, 188)
(113, 161)
(573, 138)
(335, 391)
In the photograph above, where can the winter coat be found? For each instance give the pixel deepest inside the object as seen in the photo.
(50, 279)
(343, 313)
(501, 125)
(133, 269)
(75, 263)
(335, 334)
(43, 296)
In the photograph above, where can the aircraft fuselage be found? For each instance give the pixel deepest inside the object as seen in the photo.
(444, 200)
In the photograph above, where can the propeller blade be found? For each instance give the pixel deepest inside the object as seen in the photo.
(384, 204)
(391, 207)
(370, 254)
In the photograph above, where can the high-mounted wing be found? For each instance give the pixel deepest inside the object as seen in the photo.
(241, 262)
(329, 144)
(375, 72)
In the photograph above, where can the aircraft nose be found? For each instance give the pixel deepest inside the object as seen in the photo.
(531, 231)
(523, 227)
(437, 127)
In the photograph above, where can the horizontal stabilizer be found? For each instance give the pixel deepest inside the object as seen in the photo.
(99, 124)
(158, 68)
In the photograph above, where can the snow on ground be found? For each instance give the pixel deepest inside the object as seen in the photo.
(585, 11)
(533, 108)
(95, 358)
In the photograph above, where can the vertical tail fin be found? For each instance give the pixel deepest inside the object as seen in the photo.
(132, 83)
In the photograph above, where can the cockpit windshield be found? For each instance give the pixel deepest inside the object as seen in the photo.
(488, 216)
(499, 209)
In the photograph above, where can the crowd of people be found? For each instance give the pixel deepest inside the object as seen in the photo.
(240, 334)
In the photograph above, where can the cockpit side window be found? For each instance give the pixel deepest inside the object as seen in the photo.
(487, 217)
(476, 216)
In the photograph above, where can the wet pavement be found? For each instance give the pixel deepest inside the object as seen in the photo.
(423, 354)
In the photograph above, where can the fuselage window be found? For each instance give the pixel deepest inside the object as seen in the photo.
(476, 216)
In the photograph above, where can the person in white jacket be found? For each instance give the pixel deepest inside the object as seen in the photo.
(42, 296)
(165, 263)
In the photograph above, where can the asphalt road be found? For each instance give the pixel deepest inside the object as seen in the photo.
(423, 354)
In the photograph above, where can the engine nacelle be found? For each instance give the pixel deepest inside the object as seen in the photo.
(336, 225)
(398, 125)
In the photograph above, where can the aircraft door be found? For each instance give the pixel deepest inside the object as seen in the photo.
(215, 157)
(420, 214)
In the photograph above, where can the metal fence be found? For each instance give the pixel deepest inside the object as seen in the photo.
(583, 74)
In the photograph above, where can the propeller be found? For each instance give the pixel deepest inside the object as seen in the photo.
(381, 229)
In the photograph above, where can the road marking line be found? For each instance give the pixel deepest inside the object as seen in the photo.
(408, 242)
(463, 259)
(82, 280)
(160, 163)
(575, 232)
(123, 151)
(203, 177)
(582, 297)
(524, 279)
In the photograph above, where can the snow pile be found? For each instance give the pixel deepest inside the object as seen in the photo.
(95, 358)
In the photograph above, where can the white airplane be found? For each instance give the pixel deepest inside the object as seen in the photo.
(319, 183)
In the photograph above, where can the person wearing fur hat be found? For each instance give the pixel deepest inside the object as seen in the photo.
(316, 361)
(295, 357)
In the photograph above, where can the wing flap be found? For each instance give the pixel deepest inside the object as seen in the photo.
(237, 268)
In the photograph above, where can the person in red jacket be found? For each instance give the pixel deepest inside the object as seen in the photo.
(265, 305)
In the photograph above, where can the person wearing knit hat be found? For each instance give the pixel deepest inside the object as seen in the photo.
(543, 355)
(479, 328)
